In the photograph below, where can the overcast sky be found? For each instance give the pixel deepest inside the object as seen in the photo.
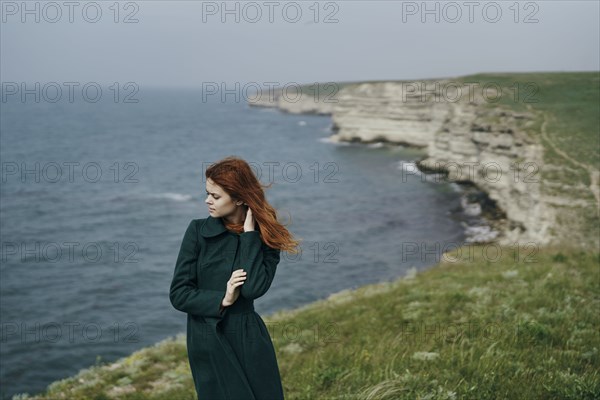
(186, 43)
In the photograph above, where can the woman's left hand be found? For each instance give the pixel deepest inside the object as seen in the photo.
(249, 222)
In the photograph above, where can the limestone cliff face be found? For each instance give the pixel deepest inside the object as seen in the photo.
(465, 137)
(486, 146)
(383, 111)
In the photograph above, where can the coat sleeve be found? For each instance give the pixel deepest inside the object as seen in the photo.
(184, 294)
(260, 263)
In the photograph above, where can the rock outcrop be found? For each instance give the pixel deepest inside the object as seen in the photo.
(465, 135)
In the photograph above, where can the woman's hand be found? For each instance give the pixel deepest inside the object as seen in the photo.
(233, 287)
(249, 221)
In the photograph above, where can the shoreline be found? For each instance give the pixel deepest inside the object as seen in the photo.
(479, 215)
(482, 220)
(466, 141)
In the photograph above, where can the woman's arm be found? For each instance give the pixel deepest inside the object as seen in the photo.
(184, 294)
(260, 263)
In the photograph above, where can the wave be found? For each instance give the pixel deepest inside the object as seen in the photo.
(180, 197)
(327, 139)
(171, 196)
(411, 167)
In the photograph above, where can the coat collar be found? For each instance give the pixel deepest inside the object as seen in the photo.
(212, 227)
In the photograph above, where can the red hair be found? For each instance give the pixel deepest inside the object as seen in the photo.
(236, 178)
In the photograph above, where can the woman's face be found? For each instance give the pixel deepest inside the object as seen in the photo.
(218, 201)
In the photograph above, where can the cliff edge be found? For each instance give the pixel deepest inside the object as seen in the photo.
(486, 130)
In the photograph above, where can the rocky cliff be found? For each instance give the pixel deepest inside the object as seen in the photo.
(465, 135)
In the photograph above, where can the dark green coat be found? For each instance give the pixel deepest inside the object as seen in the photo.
(231, 354)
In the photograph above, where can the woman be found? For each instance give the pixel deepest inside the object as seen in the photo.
(225, 262)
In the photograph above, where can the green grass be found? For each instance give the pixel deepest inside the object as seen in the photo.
(522, 326)
(504, 329)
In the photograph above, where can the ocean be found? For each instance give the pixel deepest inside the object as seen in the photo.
(95, 198)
